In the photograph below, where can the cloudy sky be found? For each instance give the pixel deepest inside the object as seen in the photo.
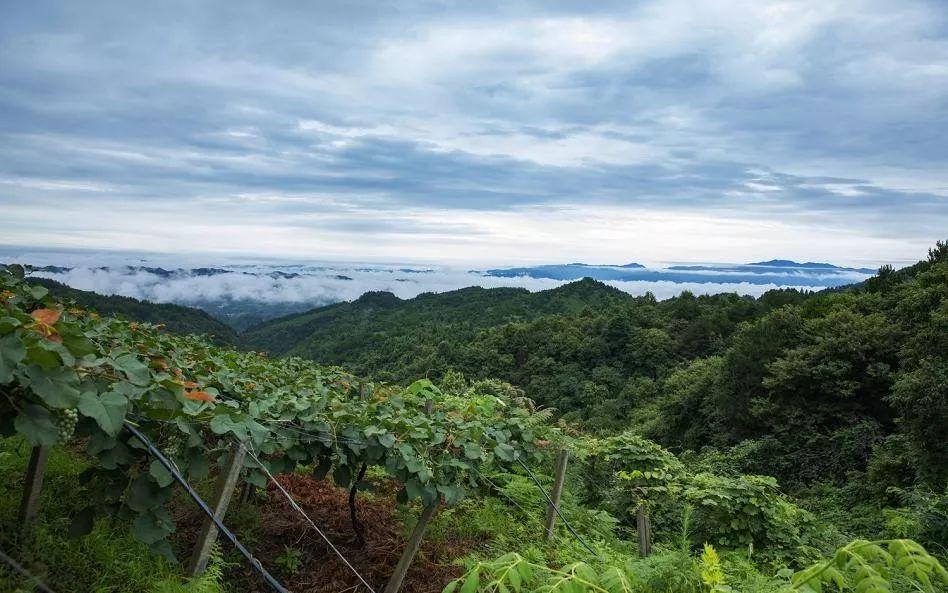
(655, 130)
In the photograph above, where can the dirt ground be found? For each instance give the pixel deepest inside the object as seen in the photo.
(320, 570)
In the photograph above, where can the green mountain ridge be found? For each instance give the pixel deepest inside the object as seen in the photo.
(178, 319)
(807, 386)
(378, 318)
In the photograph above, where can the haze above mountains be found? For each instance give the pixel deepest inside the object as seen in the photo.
(243, 294)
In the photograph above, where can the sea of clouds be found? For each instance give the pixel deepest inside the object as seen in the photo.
(325, 285)
(168, 279)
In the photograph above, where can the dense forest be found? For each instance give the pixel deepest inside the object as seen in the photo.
(841, 387)
(792, 443)
(176, 318)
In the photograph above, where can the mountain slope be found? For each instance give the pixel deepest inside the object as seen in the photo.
(379, 325)
(553, 343)
(176, 318)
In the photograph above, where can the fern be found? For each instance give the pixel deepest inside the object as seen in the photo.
(870, 567)
(712, 574)
(860, 566)
(210, 582)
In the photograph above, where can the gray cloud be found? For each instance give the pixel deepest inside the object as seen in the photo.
(365, 118)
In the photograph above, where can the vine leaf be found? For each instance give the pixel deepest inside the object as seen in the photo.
(224, 423)
(37, 425)
(472, 450)
(161, 474)
(505, 452)
(145, 495)
(57, 387)
(452, 494)
(82, 522)
(136, 371)
(108, 411)
(199, 396)
(11, 353)
(150, 528)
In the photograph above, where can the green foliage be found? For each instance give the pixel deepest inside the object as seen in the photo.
(871, 567)
(513, 572)
(815, 381)
(712, 573)
(569, 347)
(670, 571)
(194, 399)
(290, 560)
(860, 566)
(738, 511)
(626, 471)
(209, 582)
(108, 558)
(175, 318)
(625, 464)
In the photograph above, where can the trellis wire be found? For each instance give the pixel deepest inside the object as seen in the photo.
(18, 568)
(557, 509)
(296, 506)
(194, 495)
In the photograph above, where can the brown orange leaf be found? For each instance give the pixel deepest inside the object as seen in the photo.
(199, 396)
(46, 316)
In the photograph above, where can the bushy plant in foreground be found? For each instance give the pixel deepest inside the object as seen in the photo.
(865, 567)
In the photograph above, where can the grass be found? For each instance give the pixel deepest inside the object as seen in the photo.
(108, 560)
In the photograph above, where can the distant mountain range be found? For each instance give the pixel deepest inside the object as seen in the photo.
(245, 295)
(776, 271)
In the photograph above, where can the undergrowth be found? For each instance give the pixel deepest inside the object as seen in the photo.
(107, 560)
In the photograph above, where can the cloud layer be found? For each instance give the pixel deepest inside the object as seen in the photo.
(345, 283)
(519, 131)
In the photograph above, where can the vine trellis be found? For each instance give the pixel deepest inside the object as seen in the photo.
(66, 374)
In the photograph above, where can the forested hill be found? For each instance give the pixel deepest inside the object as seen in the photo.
(395, 337)
(176, 318)
(554, 343)
(806, 386)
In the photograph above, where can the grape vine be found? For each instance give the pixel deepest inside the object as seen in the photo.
(68, 374)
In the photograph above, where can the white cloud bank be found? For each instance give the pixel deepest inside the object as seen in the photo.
(339, 282)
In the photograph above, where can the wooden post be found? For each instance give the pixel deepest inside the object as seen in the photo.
(429, 406)
(246, 491)
(33, 485)
(559, 478)
(414, 542)
(226, 482)
(644, 528)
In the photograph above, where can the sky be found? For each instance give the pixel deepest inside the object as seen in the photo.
(508, 132)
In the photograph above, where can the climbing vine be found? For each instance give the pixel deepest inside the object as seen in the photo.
(70, 376)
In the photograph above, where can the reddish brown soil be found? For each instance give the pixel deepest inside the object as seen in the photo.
(321, 570)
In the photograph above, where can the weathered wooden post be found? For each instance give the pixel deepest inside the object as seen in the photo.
(226, 482)
(558, 480)
(33, 485)
(414, 542)
(644, 528)
(246, 492)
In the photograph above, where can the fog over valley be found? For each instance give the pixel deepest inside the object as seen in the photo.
(243, 293)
